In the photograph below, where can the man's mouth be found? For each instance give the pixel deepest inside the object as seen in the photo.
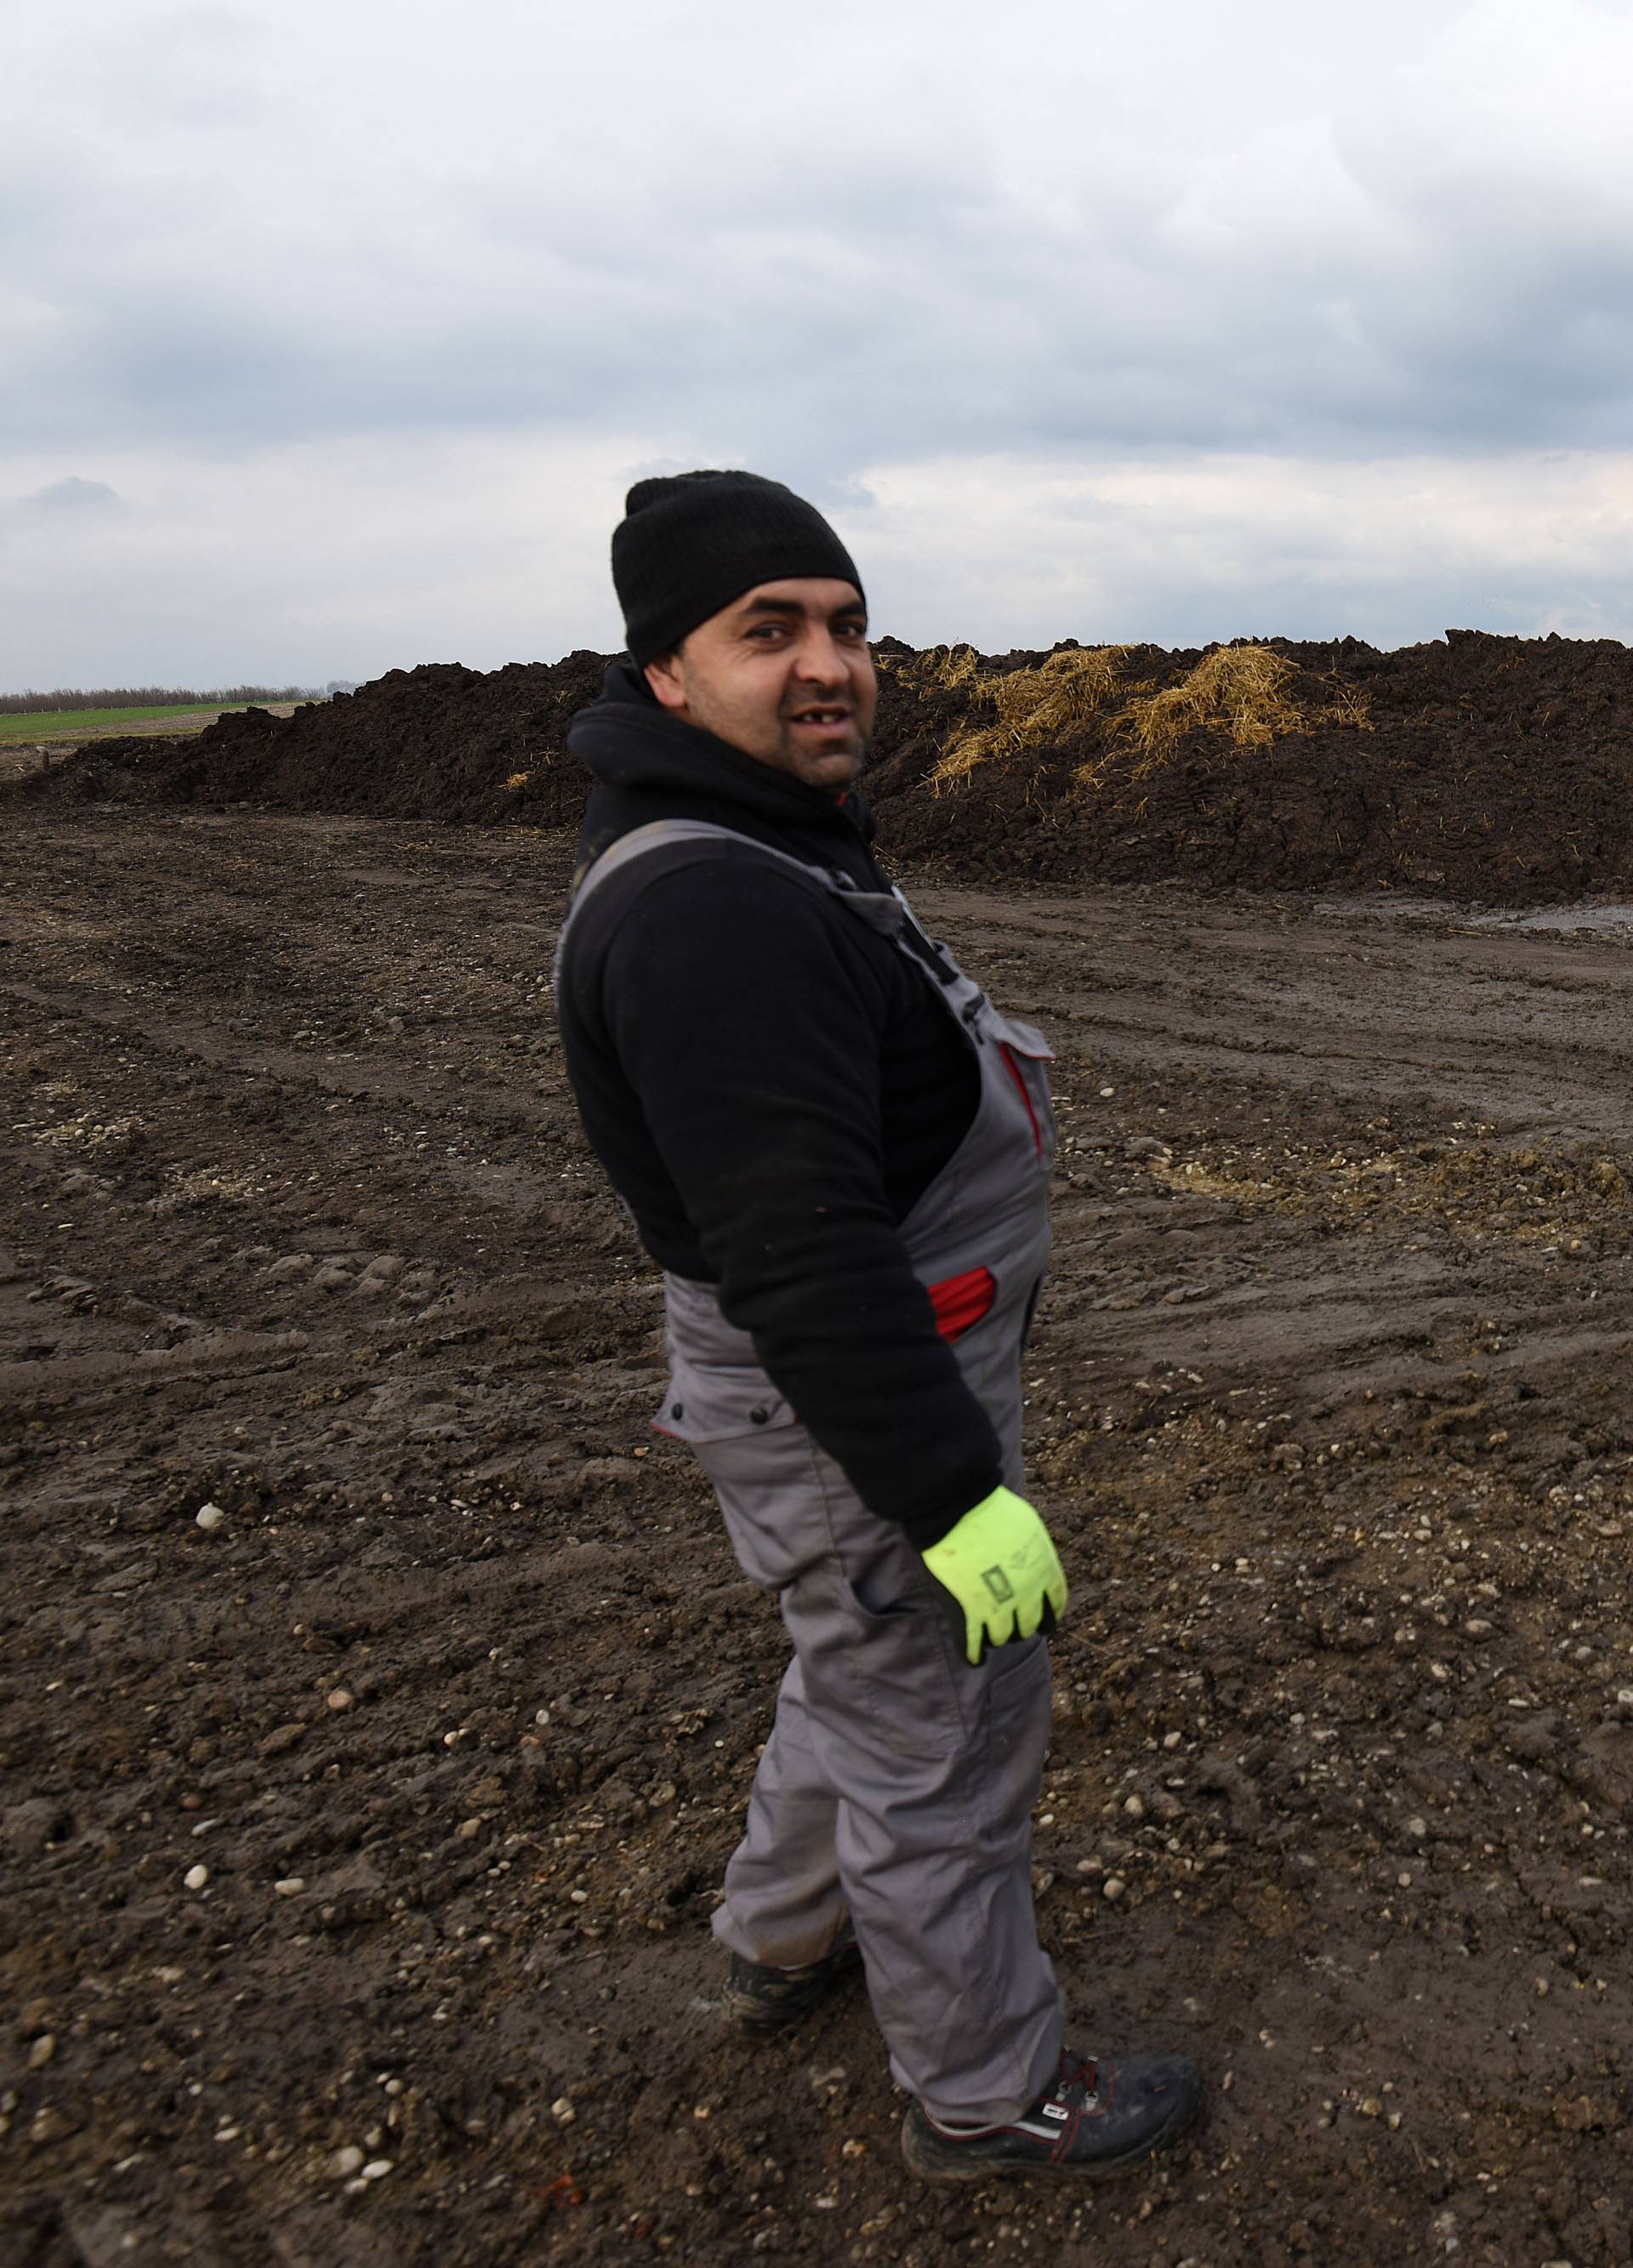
(825, 715)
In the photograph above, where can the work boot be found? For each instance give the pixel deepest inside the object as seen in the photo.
(1100, 2117)
(760, 2002)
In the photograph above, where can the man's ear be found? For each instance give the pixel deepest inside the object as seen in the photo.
(664, 676)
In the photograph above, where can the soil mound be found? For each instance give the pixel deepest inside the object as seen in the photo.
(440, 742)
(1483, 766)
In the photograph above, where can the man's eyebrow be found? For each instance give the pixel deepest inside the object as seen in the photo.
(795, 609)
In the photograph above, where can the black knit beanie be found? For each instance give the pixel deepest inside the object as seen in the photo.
(693, 541)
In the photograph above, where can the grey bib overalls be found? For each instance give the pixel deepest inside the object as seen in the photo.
(897, 1783)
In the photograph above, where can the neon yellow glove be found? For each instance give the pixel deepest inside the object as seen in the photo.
(1001, 1570)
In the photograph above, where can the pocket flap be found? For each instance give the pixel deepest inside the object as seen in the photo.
(717, 1405)
(1027, 1039)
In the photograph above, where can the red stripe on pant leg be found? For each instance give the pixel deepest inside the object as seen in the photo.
(960, 1301)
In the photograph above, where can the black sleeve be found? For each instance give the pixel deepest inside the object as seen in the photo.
(750, 1028)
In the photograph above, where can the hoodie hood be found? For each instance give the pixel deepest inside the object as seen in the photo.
(633, 747)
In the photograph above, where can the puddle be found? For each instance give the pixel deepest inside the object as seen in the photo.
(1600, 919)
(1558, 918)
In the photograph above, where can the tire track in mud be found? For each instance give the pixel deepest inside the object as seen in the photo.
(1328, 1408)
(1350, 999)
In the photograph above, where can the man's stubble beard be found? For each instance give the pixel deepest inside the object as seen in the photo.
(802, 763)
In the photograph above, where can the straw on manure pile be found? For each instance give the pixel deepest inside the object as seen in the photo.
(1035, 706)
(1244, 691)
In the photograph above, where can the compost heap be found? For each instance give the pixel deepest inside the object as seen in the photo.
(1481, 767)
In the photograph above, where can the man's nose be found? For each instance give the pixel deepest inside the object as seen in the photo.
(821, 657)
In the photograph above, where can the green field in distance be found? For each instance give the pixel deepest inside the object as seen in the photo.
(64, 724)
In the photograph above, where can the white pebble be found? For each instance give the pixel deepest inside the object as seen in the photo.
(562, 2111)
(196, 1877)
(209, 1517)
(347, 2161)
(291, 1887)
(339, 1699)
(377, 2170)
(1114, 1888)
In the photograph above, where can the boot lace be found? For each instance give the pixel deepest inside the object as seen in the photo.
(1080, 2078)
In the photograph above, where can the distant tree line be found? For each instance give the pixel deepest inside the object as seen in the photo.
(153, 697)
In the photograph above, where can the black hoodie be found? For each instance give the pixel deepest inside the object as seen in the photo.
(771, 1087)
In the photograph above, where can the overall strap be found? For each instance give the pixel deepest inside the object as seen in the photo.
(885, 912)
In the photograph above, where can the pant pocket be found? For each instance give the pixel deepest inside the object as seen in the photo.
(703, 1404)
(1017, 1721)
(888, 1670)
(767, 1486)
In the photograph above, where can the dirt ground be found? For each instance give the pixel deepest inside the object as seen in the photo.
(384, 1817)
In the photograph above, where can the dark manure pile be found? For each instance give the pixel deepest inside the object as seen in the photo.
(1478, 767)
(441, 741)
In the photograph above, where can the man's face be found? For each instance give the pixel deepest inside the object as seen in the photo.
(784, 674)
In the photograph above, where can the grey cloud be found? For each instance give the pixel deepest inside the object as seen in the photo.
(44, 520)
(60, 511)
(685, 269)
(73, 497)
(287, 277)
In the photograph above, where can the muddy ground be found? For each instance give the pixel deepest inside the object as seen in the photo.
(1330, 1411)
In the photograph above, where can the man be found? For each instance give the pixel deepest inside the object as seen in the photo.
(838, 1151)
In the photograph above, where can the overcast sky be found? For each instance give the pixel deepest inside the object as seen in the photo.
(332, 331)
